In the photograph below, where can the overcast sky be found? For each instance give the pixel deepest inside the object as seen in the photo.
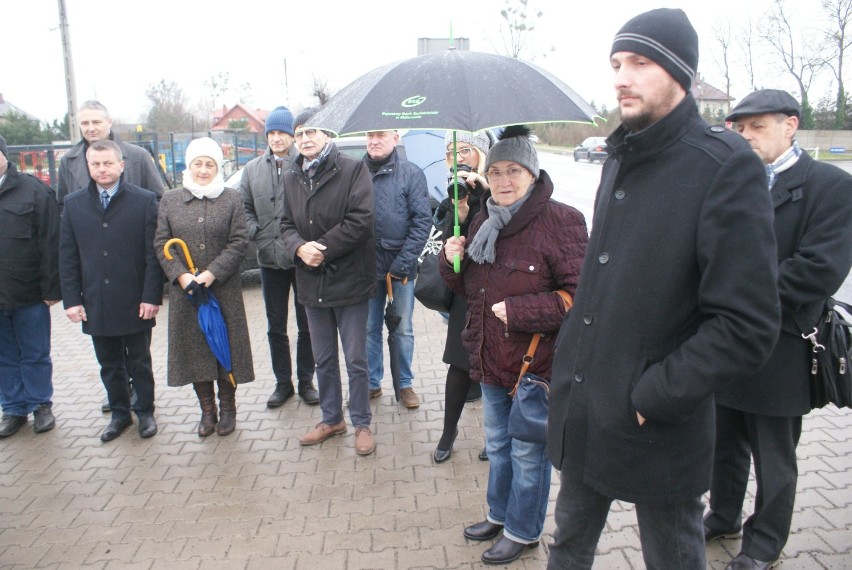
(121, 47)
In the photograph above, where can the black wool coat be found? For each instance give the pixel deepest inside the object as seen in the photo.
(334, 208)
(107, 261)
(677, 296)
(813, 228)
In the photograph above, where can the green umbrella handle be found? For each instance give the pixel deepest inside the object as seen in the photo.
(456, 228)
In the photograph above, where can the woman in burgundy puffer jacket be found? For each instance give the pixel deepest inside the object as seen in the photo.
(521, 248)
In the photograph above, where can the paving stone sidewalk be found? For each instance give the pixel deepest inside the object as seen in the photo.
(257, 499)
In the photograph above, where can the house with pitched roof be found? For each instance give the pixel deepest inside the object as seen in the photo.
(711, 101)
(239, 117)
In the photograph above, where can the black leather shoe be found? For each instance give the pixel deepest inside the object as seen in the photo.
(441, 455)
(43, 419)
(10, 425)
(115, 429)
(283, 392)
(744, 562)
(505, 550)
(485, 530)
(711, 535)
(147, 426)
(483, 455)
(308, 393)
(105, 406)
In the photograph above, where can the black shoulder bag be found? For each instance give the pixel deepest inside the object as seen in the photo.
(831, 352)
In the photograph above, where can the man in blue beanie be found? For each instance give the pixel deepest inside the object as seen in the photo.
(261, 186)
(678, 296)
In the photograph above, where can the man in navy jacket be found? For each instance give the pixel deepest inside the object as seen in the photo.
(113, 283)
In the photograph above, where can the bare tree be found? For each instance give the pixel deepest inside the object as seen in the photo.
(746, 40)
(217, 85)
(168, 108)
(840, 17)
(722, 33)
(245, 94)
(517, 32)
(319, 89)
(800, 56)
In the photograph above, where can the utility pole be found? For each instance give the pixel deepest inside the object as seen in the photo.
(70, 84)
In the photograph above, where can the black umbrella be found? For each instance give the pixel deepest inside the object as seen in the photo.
(452, 90)
(392, 320)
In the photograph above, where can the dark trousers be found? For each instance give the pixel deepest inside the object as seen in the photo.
(275, 285)
(120, 356)
(772, 442)
(671, 534)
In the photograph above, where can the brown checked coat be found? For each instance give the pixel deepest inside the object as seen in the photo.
(215, 232)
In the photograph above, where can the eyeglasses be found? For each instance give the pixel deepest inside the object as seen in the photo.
(310, 133)
(511, 173)
(462, 152)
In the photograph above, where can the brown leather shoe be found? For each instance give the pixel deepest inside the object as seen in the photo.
(409, 398)
(364, 442)
(322, 432)
(377, 393)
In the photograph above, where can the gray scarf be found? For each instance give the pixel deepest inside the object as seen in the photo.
(481, 248)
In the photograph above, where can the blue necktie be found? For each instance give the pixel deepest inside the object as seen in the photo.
(104, 200)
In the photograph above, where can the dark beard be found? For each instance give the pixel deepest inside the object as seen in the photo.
(638, 123)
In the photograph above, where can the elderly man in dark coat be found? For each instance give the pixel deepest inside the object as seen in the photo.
(760, 416)
(327, 226)
(29, 285)
(112, 282)
(677, 295)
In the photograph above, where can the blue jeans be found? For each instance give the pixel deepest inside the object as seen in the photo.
(26, 371)
(403, 302)
(518, 472)
(348, 323)
(671, 534)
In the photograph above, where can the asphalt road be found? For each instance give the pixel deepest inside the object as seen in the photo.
(576, 183)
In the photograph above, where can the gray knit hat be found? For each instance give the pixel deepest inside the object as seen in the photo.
(516, 145)
(480, 139)
(304, 116)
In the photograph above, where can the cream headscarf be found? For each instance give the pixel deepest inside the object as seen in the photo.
(204, 147)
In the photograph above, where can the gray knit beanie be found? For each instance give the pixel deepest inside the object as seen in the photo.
(516, 145)
(480, 139)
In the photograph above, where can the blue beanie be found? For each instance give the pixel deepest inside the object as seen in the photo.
(280, 119)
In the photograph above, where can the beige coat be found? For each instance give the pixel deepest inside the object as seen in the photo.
(215, 232)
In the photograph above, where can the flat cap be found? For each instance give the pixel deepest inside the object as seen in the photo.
(765, 101)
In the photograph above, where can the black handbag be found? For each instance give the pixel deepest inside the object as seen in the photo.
(831, 351)
(528, 414)
(430, 288)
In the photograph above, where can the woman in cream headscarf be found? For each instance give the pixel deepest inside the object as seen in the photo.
(211, 220)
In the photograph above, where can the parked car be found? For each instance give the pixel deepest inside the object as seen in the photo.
(436, 177)
(591, 149)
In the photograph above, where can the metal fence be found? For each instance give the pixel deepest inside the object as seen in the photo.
(238, 148)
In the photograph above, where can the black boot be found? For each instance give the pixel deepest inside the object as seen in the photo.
(308, 393)
(207, 400)
(283, 392)
(227, 408)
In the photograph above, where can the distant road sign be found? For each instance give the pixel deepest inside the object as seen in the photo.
(837, 149)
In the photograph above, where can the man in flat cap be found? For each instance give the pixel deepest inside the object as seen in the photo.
(678, 296)
(760, 415)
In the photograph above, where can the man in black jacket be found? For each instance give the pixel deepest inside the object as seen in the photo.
(677, 294)
(760, 416)
(29, 285)
(328, 230)
(113, 283)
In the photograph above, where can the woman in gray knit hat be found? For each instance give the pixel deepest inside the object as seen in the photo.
(521, 249)
(471, 149)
